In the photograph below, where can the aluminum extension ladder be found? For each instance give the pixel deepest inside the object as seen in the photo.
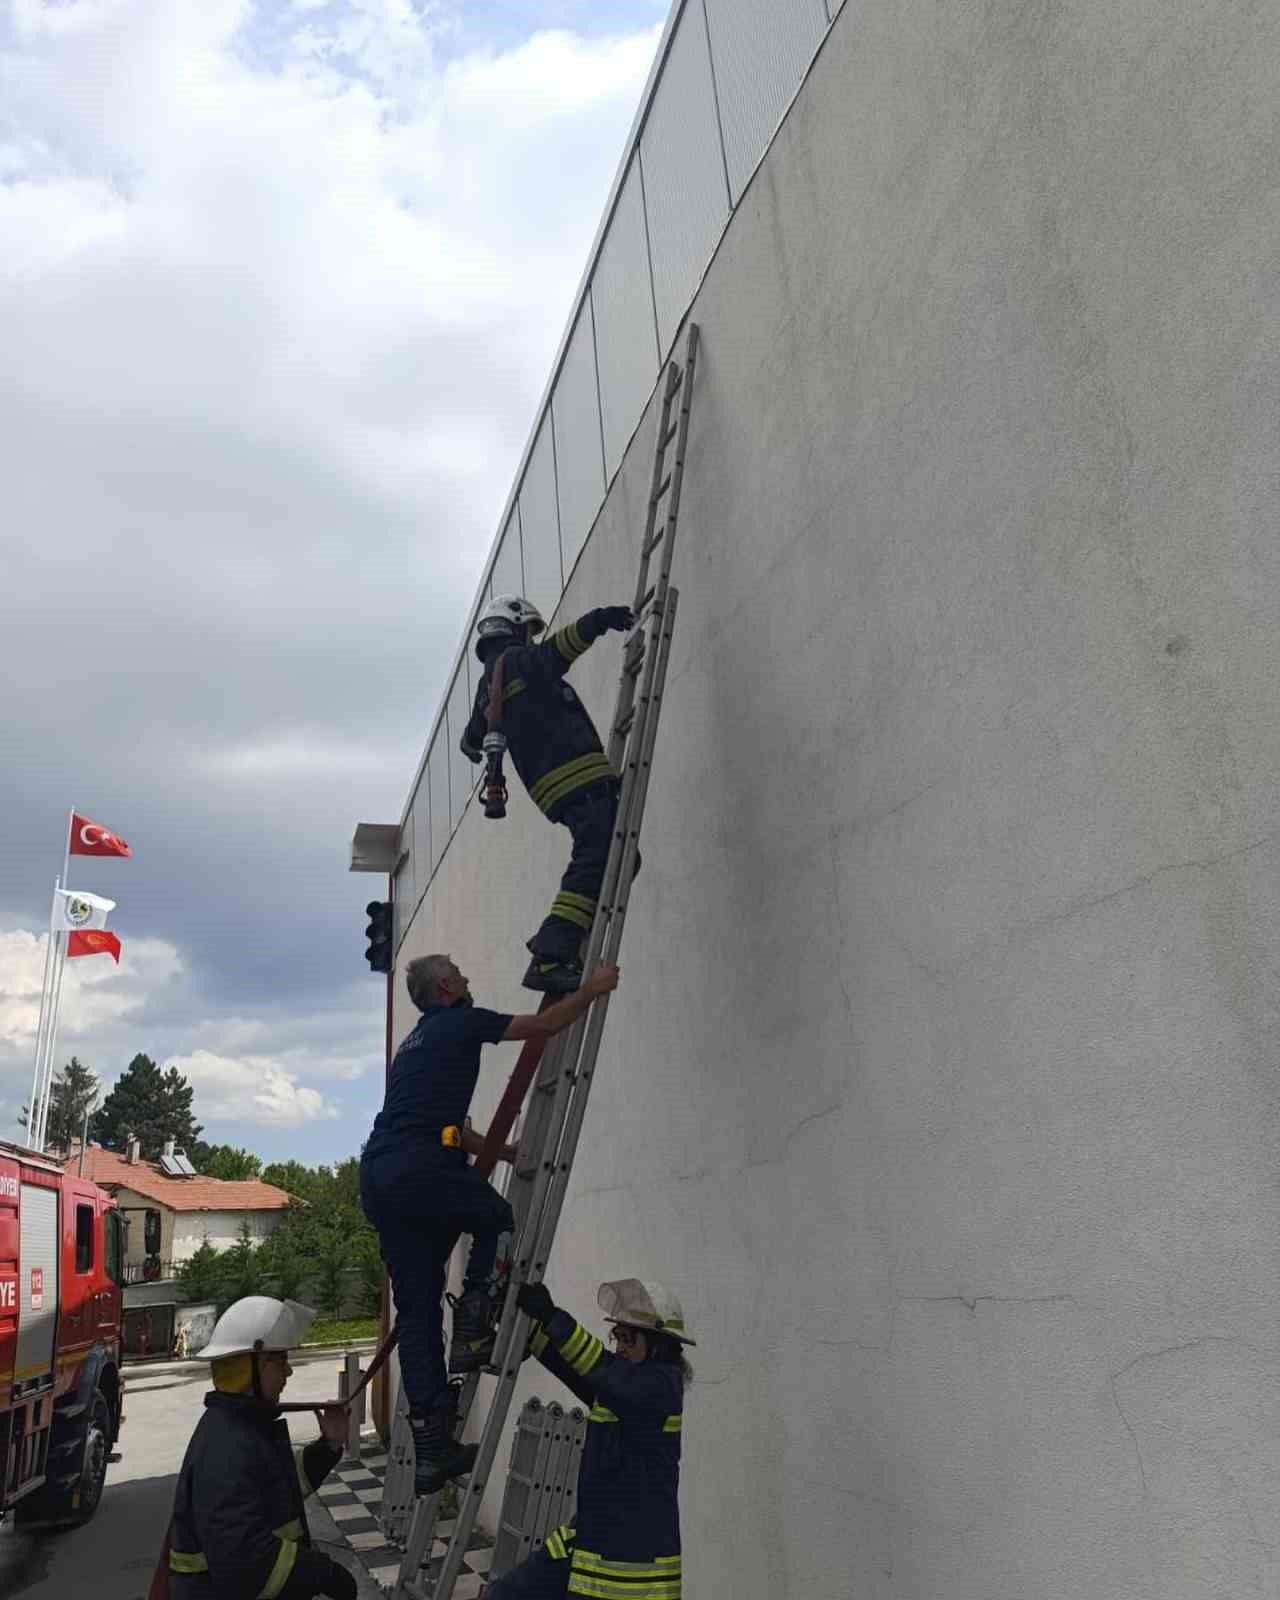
(542, 1481)
(558, 1099)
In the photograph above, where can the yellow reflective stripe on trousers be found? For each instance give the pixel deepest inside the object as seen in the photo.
(673, 1424)
(564, 908)
(285, 1559)
(563, 780)
(592, 1575)
(602, 1414)
(560, 1543)
(538, 1339)
(582, 1350)
(515, 687)
(183, 1561)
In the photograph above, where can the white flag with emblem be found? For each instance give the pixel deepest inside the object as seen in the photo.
(74, 910)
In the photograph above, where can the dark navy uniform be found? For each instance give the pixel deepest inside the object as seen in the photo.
(420, 1195)
(239, 1526)
(555, 748)
(625, 1543)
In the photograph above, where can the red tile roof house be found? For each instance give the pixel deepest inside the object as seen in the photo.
(170, 1217)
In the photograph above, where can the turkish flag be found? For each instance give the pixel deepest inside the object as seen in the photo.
(94, 942)
(91, 839)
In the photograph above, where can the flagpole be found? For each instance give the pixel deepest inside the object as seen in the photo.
(66, 854)
(37, 1074)
(53, 1040)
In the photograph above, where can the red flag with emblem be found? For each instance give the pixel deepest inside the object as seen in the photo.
(92, 839)
(94, 942)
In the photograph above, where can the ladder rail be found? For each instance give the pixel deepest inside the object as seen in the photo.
(559, 1093)
(516, 1324)
(596, 1021)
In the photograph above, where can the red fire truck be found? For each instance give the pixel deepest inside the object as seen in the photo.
(61, 1392)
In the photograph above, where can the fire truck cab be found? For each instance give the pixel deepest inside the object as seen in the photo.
(61, 1391)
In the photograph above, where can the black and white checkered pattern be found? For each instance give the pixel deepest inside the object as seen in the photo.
(352, 1495)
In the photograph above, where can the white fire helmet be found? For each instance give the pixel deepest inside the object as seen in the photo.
(643, 1305)
(258, 1323)
(506, 615)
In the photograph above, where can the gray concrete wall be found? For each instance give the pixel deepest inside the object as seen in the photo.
(942, 1082)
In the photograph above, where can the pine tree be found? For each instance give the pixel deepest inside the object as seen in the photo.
(224, 1161)
(75, 1090)
(150, 1105)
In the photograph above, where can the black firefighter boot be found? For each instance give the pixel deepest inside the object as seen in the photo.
(473, 1331)
(437, 1457)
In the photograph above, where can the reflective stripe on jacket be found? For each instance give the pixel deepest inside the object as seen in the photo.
(239, 1527)
(552, 741)
(626, 1541)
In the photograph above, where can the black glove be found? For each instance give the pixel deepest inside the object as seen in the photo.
(534, 1299)
(473, 755)
(315, 1572)
(619, 619)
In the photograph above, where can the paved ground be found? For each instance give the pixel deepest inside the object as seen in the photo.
(113, 1558)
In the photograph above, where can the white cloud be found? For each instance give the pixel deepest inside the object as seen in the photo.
(251, 1089)
(279, 289)
(95, 992)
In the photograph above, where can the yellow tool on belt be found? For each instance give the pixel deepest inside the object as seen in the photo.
(451, 1137)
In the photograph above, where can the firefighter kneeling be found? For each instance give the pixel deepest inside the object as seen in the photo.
(626, 1541)
(239, 1528)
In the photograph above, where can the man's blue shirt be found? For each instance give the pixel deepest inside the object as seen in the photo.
(433, 1077)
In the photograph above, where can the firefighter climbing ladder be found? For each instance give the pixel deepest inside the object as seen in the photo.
(558, 1101)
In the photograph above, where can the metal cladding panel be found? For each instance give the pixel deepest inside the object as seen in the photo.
(626, 335)
(438, 765)
(579, 452)
(423, 860)
(761, 50)
(508, 566)
(684, 175)
(463, 776)
(540, 524)
(37, 1281)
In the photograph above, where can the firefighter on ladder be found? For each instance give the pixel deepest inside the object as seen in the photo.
(626, 1537)
(420, 1193)
(557, 752)
(239, 1529)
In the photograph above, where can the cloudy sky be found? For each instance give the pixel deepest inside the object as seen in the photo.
(280, 286)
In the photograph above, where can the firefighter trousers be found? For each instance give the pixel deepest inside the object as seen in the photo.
(541, 1577)
(420, 1206)
(589, 817)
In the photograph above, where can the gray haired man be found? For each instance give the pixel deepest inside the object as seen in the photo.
(420, 1193)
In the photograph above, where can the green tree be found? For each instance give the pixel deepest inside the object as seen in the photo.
(242, 1270)
(225, 1161)
(150, 1105)
(75, 1090)
(368, 1262)
(201, 1278)
(293, 1178)
(333, 1257)
(284, 1264)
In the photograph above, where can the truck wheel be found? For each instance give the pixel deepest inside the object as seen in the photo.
(71, 1505)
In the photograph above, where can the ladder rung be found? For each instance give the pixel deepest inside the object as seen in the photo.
(661, 490)
(677, 382)
(623, 726)
(656, 540)
(669, 435)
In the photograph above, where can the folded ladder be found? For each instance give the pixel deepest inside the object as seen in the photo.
(549, 1141)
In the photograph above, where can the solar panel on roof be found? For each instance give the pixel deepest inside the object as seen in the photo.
(170, 1167)
(184, 1166)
